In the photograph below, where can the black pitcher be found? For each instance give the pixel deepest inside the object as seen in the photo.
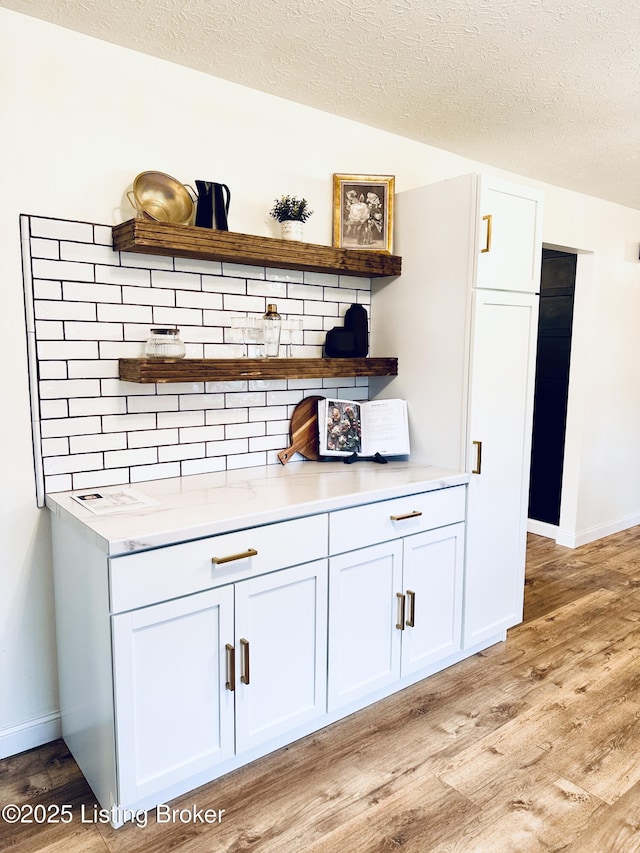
(213, 205)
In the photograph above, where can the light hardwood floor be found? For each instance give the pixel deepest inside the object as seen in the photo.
(533, 745)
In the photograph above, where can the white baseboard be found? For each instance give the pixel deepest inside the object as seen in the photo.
(542, 528)
(30, 734)
(574, 540)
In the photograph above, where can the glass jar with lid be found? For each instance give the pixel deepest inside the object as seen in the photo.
(165, 343)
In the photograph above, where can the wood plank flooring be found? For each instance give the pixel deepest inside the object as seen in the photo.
(532, 745)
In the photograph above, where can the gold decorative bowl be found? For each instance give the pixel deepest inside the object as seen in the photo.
(162, 198)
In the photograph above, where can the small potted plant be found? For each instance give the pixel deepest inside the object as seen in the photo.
(291, 212)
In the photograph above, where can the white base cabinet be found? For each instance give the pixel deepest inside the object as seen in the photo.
(394, 609)
(180, 663)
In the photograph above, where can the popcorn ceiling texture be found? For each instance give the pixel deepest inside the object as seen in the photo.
(545, 88)
(87, 306)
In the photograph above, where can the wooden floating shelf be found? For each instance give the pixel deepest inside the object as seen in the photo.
(144, 370)
(188, 241)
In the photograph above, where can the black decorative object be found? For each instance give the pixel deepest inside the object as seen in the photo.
(352, 339)
(213, 205)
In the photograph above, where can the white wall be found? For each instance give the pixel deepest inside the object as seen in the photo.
(80, 118)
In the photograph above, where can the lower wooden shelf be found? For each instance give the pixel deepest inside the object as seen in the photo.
(145, 370)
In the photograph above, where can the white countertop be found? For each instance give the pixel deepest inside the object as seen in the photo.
(207, 504)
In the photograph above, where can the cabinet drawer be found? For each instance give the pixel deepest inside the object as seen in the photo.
(378, 522)
(137, 580)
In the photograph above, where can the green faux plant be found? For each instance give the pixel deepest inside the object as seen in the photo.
(290, 207)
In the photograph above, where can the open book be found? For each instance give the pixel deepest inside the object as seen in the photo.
(347, 427)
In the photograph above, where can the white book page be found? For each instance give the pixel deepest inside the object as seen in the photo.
(385, 428)
(102, 502)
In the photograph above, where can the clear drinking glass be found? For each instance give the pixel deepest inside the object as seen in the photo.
(239, 324)
(289, 330)
(254, 337)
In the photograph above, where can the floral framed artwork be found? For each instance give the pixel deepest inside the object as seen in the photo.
(363, 212)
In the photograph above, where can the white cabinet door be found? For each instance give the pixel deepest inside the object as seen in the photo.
(364, 643)
(432, 584)
(174, 717)
(280, 652)
(501, 394)
(509, 236)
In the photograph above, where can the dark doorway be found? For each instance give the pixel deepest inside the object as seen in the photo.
(557, 288)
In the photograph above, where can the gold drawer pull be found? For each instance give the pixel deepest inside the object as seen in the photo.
(411, 618)
(231, 667)
(400, 622)
(244, 675)
(250, 552)
(489, 220)
(413, 514)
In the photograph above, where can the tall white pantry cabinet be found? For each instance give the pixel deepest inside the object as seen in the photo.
(462, 320)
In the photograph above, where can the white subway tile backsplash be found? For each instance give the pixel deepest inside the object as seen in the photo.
(248, 430)
(320, 278)
(75, 291)
(90, 306)
(284, 275)
(61, 229)
(155, 472)
(199, 299)
(125, 276)
(153, 403)
(203, 466)
(100, 479)
(224, 284)
(98, 406)
(54, 427)
(152, 437)
(147, 262)
(43, 289)
(246, 460)
(79, 331)
(100, 368)
(73, 463)
(242, 271)
(56, 446)
(55, 389)
(112, 313)
(45, 249)
(47, 309)
(54, 409)
(67, 350)
(49, 330)
(203, 433)
(98, 443)
(94, 254)
(181, 451)
(53, 369)
(124, 423)
(176, 280)
(61, 270)
(136, 456)
(212, 268)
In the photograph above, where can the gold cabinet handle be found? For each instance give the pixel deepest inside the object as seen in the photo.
(250, 552)
(400, 622)
(411, 618)
(478, 447)
(489, 220)
(231, 667)
(244, 675)
(415, 514)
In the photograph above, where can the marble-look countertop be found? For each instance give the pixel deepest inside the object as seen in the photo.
(207, 504)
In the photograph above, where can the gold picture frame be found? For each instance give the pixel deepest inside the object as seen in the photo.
(363, 212)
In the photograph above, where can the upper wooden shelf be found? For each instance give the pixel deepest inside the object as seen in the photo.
(229, 369)
(188, 241)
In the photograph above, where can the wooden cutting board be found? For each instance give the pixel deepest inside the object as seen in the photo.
(303, 431)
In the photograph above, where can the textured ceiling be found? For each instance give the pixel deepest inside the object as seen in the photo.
(546, 88)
